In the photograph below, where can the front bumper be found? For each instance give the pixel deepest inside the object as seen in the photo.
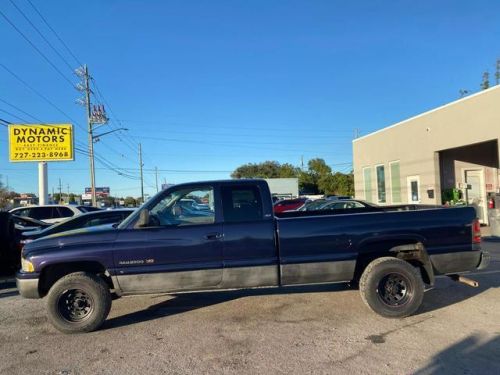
(27, 286)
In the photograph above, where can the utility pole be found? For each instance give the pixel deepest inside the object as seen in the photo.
(142, 177)
(356, 133)
(156, 177)
(60, 191)
(95, 116)
(91, 136)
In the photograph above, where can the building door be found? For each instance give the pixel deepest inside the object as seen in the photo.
(413, 185)
(475, 192)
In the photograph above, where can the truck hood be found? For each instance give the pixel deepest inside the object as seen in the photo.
(54, 242)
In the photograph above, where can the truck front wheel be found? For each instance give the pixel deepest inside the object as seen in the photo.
(78, 302)
(392, 287)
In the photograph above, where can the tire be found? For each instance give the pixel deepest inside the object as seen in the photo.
(392, 287)
(78, 302)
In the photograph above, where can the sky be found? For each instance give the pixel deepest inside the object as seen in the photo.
(206, 86)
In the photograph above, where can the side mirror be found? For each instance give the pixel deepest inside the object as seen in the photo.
(143, 218)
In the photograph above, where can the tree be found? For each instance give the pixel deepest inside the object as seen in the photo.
(130, 201)
(267, 169)
(497, 72)
(486, 81)
(338, 184)
(312, 181)
(317, 179)
(288, 171)
(4, 201)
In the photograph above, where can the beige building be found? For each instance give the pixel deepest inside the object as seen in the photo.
(455, 146)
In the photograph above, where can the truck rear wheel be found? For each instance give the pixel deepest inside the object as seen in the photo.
(392, 287)
(78, 302)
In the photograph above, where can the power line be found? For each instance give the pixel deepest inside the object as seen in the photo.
(42, 36)
(42, 97)
(230, 144)
(266, 129)
(130, 144)
(37, 49)
(55, 33)
(49, 102)
(12, 114)
(20, 110)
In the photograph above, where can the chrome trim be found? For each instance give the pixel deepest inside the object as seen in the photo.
(28, 288)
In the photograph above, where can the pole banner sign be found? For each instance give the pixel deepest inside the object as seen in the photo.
(40, 142)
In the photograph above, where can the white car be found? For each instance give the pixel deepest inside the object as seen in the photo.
(53, 213)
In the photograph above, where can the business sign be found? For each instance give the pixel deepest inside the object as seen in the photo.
(102, 192)
(40, 142)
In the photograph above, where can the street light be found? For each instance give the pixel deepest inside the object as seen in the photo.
(93, 139)
(96, 137)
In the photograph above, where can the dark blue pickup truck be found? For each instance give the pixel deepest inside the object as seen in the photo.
(224, 235)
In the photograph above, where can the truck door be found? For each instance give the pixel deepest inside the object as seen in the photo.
(250, 254)
(180, 248)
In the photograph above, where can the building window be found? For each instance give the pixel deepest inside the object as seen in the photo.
(367, 178)
(381, 184)
(413, 189)
(395, 182)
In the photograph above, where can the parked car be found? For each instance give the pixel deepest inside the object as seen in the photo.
(313, 205)
(342, 204)
(53, 213)
(242, 244)
(27, 223)
(289, 204)
(337, 197)
(90, 219)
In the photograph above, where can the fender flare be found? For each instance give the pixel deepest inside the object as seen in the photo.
(416, 251)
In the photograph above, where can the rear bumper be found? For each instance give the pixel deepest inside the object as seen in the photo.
(461, 261)
(27, 287)
(485, 260)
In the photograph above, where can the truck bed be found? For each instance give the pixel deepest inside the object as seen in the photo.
(325, 245)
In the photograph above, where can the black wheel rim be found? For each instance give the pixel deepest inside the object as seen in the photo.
(75, 305)
(395, 289)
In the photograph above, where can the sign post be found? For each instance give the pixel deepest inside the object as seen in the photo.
(43, 183)
(41, 143)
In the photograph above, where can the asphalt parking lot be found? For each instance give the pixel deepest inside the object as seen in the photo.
(320, 329)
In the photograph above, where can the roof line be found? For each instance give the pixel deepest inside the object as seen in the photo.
(430, 111)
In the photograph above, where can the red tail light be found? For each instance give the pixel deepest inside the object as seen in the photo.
(476, 231)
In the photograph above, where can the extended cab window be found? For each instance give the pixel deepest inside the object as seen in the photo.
(241, 203)
(187, 206)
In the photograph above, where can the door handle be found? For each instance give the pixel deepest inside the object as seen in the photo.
(213, 236)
